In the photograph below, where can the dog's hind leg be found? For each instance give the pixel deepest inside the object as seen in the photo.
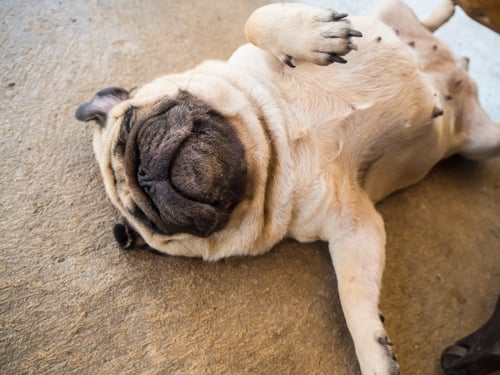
(357, 246)
(480, 137)
(439, 16)
(402, 18)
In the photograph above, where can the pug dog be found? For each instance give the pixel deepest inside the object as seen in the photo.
(297, 135)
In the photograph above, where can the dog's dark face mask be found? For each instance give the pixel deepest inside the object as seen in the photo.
(184, 164)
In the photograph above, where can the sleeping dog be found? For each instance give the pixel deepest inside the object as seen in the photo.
(297, 135)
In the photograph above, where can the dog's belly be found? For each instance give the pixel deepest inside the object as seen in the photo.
(369, 121)
(372, 119)
(401, 156)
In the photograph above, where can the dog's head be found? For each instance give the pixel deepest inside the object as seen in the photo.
(173, 164)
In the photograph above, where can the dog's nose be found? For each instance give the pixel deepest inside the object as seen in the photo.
(145, 181)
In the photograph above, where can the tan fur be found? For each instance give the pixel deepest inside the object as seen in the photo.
(324, 143)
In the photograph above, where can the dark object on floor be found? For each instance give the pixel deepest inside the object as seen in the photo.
(486, 12)
(478, 353)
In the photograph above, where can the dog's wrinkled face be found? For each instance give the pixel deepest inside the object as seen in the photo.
(183, 163)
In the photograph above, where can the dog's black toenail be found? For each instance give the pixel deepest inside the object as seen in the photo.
(338, 16)
(288, 61)
(352, 32)
(384, 340)
(336, 58)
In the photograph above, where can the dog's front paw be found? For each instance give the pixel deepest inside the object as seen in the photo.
(320, 36)
(390, 359)
(376, 356)
(299, 32)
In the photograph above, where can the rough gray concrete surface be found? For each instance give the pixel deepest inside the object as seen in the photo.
(72, 303)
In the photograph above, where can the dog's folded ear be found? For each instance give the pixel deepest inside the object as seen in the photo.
(98, 108)
(127, 237)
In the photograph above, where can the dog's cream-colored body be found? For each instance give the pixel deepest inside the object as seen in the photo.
(324, 143)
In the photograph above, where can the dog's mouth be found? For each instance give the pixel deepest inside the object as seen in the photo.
(184, 164)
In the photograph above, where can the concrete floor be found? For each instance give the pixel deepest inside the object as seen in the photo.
(72, 303)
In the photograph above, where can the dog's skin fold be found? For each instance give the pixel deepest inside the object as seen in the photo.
(297, 135)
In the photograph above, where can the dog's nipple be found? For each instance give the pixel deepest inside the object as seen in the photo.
(436, 112)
